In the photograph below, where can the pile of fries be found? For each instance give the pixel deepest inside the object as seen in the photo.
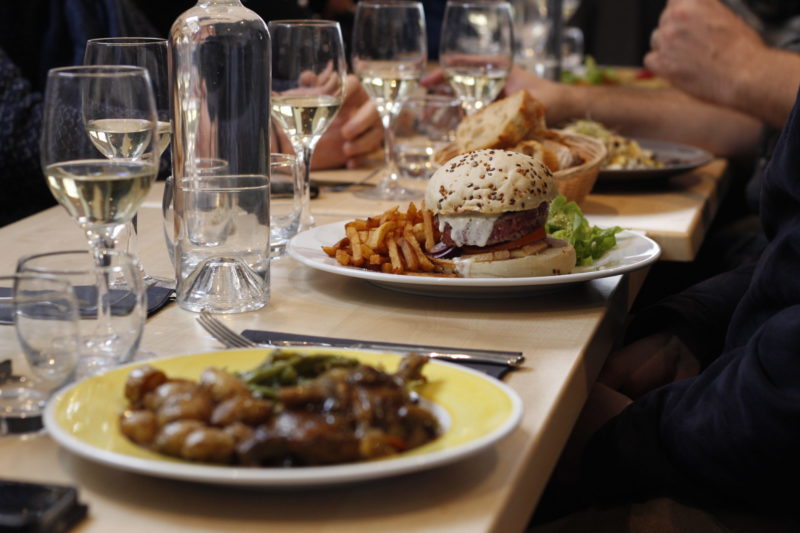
(393, 242)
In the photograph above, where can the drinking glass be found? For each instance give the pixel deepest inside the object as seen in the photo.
(44, 354)
(476, 49)
(308, 84)
(531, 32)
(389, 55)
(424, 126)
(222, 243)
(202, 167)
(151, 54)
(285, 202)
(99, 145)
(112, 321)
(572, 49)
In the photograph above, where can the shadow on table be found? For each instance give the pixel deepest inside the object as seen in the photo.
(186, 503)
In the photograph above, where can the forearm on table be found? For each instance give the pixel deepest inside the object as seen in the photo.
(664, 114)
(768, 87)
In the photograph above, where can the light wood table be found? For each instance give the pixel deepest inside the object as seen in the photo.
(564, 335)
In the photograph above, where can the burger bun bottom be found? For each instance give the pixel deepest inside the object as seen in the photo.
(557, 258)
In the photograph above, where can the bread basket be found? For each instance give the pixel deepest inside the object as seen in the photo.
(576, 182)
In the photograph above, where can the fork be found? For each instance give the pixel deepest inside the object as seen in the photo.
(232, 339)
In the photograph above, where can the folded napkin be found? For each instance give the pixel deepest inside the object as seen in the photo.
(497, 370)
(157, 298)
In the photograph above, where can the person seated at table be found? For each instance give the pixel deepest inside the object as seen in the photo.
(702, 404)
(731, 93)
(38, 35)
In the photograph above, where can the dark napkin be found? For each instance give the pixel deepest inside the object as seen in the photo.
(157, 298)
(496, 370)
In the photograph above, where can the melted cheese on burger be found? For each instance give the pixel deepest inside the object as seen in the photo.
(472, 230)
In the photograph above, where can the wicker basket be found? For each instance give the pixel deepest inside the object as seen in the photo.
(576, 182)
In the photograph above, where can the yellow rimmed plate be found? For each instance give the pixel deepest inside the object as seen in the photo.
(476, 411)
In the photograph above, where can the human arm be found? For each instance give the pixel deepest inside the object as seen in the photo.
(665, 114)
(729, 432)
(354, 133)
(24, 189)
(704, 49)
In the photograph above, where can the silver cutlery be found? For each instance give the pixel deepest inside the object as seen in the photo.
(232, 339)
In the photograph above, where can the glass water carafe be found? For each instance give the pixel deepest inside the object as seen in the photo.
(220, 83)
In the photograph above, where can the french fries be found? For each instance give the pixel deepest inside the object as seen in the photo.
(394, 242)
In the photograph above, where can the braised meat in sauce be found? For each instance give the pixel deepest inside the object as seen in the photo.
(312, 410)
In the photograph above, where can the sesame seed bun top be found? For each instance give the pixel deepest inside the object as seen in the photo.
(489, 182)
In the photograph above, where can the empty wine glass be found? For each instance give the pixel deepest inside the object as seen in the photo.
(149, 53)
(44, 354)
(476, 49)
(308, 85)
(389, 56)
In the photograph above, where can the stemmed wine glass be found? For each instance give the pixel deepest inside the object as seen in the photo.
(308, 86)
(150, 53)
(389, 55)
(476, 49)
(82, 106)
(89, 113)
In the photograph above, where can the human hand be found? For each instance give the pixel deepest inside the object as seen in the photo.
(647, 364)
(602, 404)
(701, 46)
(354, 133)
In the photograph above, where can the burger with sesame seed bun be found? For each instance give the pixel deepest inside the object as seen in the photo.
(491, 208)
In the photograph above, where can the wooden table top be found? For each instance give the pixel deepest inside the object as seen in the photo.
(564, 335)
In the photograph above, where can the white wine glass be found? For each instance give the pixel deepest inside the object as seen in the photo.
(150, 53)
(101, 193)
(44, 354)
(389, 56)
(308, 86)
(476, 49)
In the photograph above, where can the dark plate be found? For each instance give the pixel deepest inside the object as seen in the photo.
(677, 158)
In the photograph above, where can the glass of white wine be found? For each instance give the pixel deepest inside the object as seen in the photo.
(308, 86)
(150, 53)
(389, 56)
(476, 49)
(101, 193)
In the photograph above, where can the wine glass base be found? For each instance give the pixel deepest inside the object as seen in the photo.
(21, 408)
(388, 193)
(153, 281)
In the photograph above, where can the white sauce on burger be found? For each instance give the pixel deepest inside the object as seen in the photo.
(468, 229)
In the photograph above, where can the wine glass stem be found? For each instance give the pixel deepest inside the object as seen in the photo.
(391, 176)
(102, 238)
(303, 152)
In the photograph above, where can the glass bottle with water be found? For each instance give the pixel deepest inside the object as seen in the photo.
(220, 86)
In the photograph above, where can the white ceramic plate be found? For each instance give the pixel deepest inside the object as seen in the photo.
(677, 158)
(633, 251)
(475, 409)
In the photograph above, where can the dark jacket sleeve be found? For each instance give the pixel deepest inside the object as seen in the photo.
(730, 433)
(699, 315)
(24, 189)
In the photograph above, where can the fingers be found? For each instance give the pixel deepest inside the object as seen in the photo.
(433, 78)
(364, 144)
(360, 121)
(654, 40)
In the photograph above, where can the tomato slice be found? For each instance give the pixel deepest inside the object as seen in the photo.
(536, 235)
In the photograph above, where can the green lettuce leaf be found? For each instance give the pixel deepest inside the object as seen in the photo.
(567, 222)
